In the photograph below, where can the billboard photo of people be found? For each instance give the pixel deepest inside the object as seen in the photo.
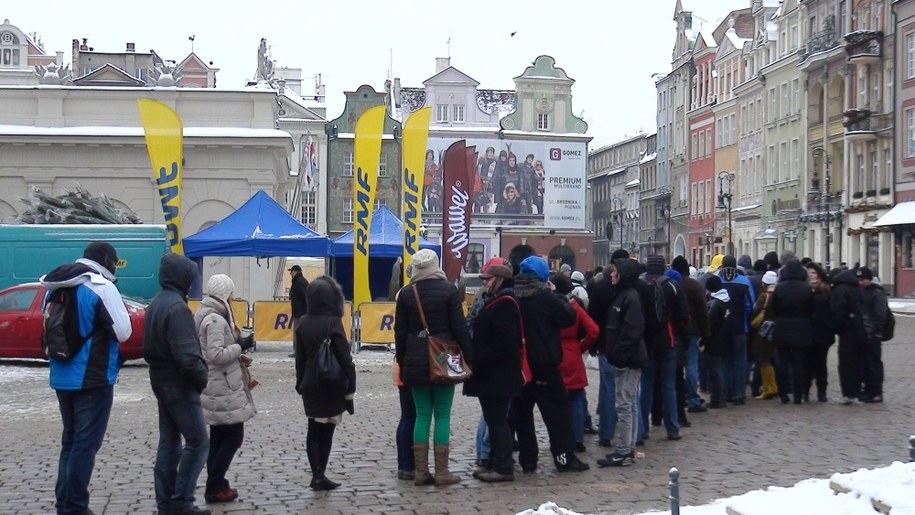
(529, 182)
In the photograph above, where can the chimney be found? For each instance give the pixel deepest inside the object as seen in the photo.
(85, 45)
(442, 63)
(131, 47)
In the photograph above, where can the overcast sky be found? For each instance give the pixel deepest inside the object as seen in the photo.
(611, 49)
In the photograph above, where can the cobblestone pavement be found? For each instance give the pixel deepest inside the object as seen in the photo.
(726, 452)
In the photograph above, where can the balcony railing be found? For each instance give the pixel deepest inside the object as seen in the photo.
(864, 44)
(863, 121)
(820, 42)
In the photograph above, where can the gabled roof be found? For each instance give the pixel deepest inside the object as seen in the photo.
(452, 74)
(292, 101)
(108, 75)
(194, 62)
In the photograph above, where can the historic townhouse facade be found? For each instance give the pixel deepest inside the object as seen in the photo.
(902, 217)
(654, 205)
(868, 123)
(703, 239)
(612, 170)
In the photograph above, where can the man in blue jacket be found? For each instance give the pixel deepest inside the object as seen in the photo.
(85, 382)
(177, 374)
(734, 366)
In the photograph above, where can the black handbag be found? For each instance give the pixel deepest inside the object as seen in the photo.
(328, 370)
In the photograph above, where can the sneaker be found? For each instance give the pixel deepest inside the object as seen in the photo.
(227, 495)
(699, 408)
(589, 430)
(872, 399)
(848, 401)
(617, 460)
(569, 463)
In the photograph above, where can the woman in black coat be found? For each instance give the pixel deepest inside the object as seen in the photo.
(324, 402)
(496, 364)
(791, 306)
(442, 306)
(823, 335)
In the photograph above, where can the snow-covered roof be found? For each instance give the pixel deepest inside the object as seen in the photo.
(736, 40)
(611, 173)
(746, 208)
(100, 131)
(709, 39)
(648, 157)
(633, 182)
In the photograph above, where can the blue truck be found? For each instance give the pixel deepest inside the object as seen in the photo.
(29, 251)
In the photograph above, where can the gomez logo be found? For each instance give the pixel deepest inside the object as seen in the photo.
(555, 154)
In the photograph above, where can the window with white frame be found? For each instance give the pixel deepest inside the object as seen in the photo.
(862, 90)
(796, 99)
(695, 200)
(708, 142)
(708, 196)
(796, 159)
(701, 153)
(458, 113)
(888, 172)
(441, 113)
(783, 168)
(378, 203)
(875, 171)
(348, 164)
(700, 201)
(684, 190)
(347, 217)
(383, 165)
(733, 133)
(695, 147)
(859, 176)
(310, 209)
(910, 132)
(910, 55)
(772, 165)
(786, 101)
(543, 121)
(773, 105)
(718, 133)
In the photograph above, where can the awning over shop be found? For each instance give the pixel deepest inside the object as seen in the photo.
(902, 213)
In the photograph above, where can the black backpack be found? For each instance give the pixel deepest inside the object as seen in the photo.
(60, 338)
(889, 327)
(661, 309)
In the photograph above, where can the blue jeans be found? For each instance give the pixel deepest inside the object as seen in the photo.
(484, 449)
(405, 457)
(606, 399)
(734, 369)
(578, 414)
(84, 414)
(692, 372)
(176, 470)
(663, 364)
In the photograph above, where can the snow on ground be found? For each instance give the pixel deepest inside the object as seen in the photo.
(855, 493)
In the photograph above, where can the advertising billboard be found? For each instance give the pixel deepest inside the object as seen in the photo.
(532, 183)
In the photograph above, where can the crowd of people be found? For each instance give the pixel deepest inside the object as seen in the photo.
(661, 335)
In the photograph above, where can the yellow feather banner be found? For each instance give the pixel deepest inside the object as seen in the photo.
(369, 129)
(415, 138)
(164, 142)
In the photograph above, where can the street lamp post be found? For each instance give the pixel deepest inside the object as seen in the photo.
(664, 213)
(825, 214)
(618, 201)
(726, 196)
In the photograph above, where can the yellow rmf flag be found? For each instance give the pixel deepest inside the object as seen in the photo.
(162, 127)
(415, 138)
(369, 128)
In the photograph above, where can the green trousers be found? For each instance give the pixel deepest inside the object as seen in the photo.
(434, 400)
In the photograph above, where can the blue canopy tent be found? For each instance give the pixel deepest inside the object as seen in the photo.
(385, 246)
(259, 228)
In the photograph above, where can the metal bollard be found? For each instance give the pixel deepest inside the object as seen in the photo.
(674, 485)
(912, 448)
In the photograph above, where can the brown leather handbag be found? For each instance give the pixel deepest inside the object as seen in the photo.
(446, 361)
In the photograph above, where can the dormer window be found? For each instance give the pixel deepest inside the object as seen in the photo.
(458, 113)
(6, 38)
(543, 122)
(8, 56)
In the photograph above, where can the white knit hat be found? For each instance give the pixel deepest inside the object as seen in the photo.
(424, 258)
(770, 278)
(220, 286)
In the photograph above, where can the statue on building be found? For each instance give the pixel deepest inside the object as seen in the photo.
(264, 63)
(163, 75)
(53, 75)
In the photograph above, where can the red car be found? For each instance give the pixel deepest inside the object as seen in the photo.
(21, 323)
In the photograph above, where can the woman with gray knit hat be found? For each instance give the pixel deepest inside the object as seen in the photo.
(226, 401)
(443, 311)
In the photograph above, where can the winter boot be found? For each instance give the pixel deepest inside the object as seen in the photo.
(421, 456)
(770, 387)
(442, 475)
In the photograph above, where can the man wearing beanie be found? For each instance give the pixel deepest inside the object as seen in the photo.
(663, 338)
(696, 328)
(544, 313)
(177, 374)
(734, 366)
(85, 382)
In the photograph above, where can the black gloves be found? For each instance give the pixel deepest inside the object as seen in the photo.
(247, 342)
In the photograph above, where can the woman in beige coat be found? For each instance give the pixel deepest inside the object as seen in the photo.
(226, 401)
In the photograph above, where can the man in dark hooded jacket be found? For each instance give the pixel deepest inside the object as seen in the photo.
(877, 310)
(177, 374)
(624, 348)
(734, 366)
(544, 313)
(847, 307)
(696, 328)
